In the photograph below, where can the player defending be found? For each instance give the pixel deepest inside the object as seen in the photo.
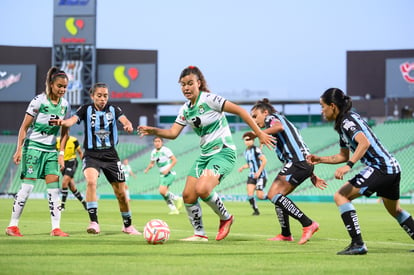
(101, 136)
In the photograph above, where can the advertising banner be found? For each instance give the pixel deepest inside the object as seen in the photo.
(17, 82)
(399, 78)
(128, 81)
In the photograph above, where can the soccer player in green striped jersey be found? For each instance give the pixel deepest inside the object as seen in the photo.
(36, 149)
(204, 112)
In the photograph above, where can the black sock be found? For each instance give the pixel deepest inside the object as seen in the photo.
(93, 214)
(64, 195)
(252, 202)
(78, 195)
(408, 226)
(283, 220)
(290, 208)
(350, 219)
(126, 219)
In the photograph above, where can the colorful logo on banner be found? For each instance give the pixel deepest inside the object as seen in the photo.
(407, 71)
(73, 25)
(124, 77)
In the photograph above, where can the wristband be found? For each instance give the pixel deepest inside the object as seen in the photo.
(61, 153)
(350, 163)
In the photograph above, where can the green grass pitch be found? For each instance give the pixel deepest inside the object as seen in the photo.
(244, 251)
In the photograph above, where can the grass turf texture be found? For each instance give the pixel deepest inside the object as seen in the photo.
(244, 251)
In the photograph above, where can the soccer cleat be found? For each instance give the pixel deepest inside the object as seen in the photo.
(13, 231)
(58, 233)
(224, 228)
(354, 249)
(174, 212)
(196, 238)
(131, 230)
(93, 228)
(280, 237)
(256, 212)
(308, 231)
(179, 203)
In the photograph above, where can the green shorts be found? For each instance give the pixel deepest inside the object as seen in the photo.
(37, 164)
(167, 180)
(221, 163)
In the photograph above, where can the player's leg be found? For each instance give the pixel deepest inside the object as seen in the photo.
(76, 193)
(30, 172)
(194, 211)
(91, 176)
(343, 198)
(65, 191)
(51, 170)
(251, 186)
(404, 219)
(167, 196)
(18, 206)
(215, 169)
(123, 202)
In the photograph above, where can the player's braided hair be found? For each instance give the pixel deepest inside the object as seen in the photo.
(342, 101)
(52, 74)
(195, 71)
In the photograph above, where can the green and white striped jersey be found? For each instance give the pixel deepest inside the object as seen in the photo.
(207, 119)
(41, 135)
(162, 157)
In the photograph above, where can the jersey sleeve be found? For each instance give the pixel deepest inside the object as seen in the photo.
(258, 151)
(271, 120)
(216, 102)
(34, 105)
(68, 110)
(180, 117)
(118, 112)
(350, 128)
(168, 152)
(81, 113)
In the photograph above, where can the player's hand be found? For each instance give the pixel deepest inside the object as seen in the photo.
(318, 182)
(341, 171)
(313, 159)
(267, 140)
(145, 130)
(128, 128)
(17, 157)
(61, 162)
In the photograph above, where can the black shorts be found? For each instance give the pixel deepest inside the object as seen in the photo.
(371, 180)
(70, 167)
(260, 182)
(296, 172)
(106, 160)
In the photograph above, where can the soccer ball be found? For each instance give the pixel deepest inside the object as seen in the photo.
(156, 231)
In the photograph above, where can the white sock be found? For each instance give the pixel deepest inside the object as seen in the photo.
(19, 203)
(218, 207)
(195, 217)
(53, 196)
(172, 196)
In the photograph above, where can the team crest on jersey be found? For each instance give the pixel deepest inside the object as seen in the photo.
(62, 110)
(201, 109)
(30, 170)
(109, 117)
(348, 125)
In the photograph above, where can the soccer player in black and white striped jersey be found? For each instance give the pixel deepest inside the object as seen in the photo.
(291, 151)
(381, 174)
